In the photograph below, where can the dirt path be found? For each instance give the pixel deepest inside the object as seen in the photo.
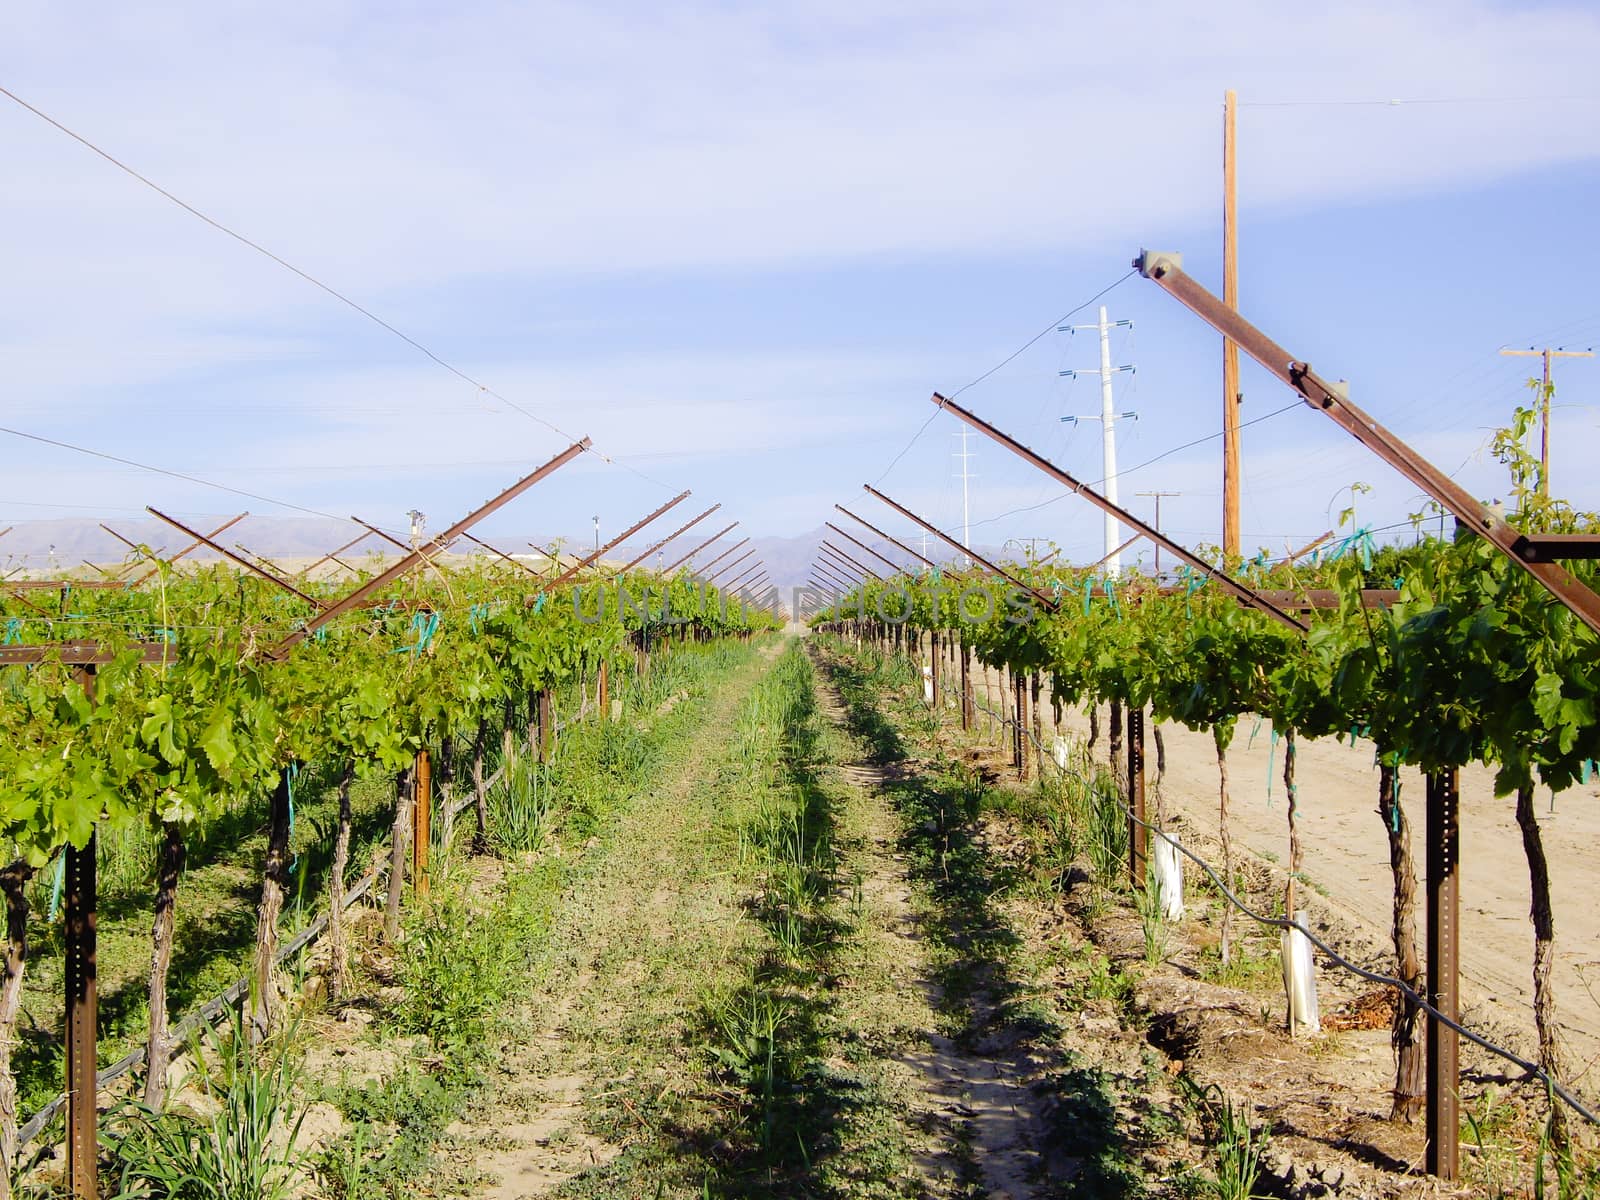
(974, 1103)
(648, 915)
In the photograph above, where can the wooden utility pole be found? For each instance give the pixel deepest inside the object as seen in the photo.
(1231, 398)
(1547, 354)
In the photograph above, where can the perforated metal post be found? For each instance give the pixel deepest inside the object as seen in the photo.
(82, 1014)
(966, 685)
(1138, 835)
(1444, 906)
(421, 822)
(546, 730)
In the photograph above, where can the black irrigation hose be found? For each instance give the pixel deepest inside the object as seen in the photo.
(1533, 1070)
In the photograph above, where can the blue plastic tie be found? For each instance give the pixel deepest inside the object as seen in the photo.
(1253, 733)
(13, 631)
(294, 769)
(1272, 755)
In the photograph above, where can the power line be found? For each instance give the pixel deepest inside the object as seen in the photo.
(1210, 437)
(128, 462)
(923, 428)
(312, 280)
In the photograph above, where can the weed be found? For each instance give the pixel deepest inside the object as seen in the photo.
(246, 1150)
(520, 805)
(1238, 1147)
(1151, 904)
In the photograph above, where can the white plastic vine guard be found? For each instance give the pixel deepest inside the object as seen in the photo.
(1058, 751)
(1167, 864)
(927, 685)
(1300, 979)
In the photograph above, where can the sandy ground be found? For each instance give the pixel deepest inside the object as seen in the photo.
(1346, 855)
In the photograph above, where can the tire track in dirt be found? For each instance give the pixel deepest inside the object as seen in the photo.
(610, 981)
(972, 1100)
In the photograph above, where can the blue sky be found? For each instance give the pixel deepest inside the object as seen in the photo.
(740, 247)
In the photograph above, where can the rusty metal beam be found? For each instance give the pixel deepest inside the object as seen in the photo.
(1309, 547)
(1330, 399)
(80, 652)
(1044, 598)
(842, 565)
(521, 566)
(854, 562)
(190, 548)
(893, 566)
(616, 541)
(388, 537)
(833, 577)
(676, 563)
(337, 550)
(130, 544)
(704, 567)
(745, 577)
(884, 536)
(1127, 518)
(384, 578)
(681, 529)
(729, 566)
(253, 568)
(1116, 552)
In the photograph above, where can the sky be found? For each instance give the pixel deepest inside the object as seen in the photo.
(740, 246)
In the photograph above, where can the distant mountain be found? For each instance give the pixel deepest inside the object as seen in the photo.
(790, 562)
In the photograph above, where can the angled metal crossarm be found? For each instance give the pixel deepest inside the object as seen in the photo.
(613, 543)
(740, 580)
(253, 568)
(892, 565)
(332, 555)
(1102, 562)
(678, 562)
(386, 536)
(190, 548)
(726, 567)
(681, 529)
(1044, 598)
(894, 541)
(708, 565)
(1308, 547)
(521, 566)
(354, 599)
(841, 564)
(854, 562)
(128, 542)
(1166, 270)
(1244, 593)
(833, 577)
